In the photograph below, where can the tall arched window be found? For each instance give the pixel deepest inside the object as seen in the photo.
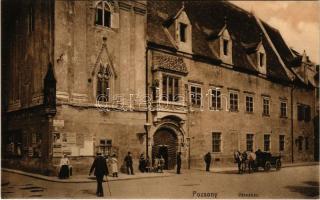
(104, 83)
(103, 14)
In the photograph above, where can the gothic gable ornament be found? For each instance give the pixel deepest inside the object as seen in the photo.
(103, 58)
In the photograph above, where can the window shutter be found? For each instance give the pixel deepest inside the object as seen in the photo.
(114, 20)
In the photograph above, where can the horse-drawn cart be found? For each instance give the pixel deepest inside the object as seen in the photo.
(266, 161)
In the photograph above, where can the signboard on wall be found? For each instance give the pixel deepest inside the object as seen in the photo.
(30, 152)
(58, 123)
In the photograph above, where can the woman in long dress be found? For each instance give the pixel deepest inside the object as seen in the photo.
(64, 167)
(114, 166)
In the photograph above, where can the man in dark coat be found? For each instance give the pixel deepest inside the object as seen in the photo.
(100, 168)
(207, 159)
(129, 162)
(178, 162)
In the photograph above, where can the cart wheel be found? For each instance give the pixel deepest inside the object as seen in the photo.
(267, 166)
(278, 164)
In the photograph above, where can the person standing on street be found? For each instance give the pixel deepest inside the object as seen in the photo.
(178, 162)
(207, 160)
(100, 168)
(142, 163)
(64, 167)
(129, 162)
(114, 165)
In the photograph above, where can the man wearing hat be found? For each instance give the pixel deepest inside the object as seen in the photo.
(100, 168)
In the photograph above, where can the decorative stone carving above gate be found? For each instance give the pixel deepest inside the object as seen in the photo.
(168, 62)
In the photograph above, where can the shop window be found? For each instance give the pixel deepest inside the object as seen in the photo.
(105, 146)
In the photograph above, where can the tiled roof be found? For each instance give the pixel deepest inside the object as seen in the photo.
(207, 19)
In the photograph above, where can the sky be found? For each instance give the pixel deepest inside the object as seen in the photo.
(298, 22)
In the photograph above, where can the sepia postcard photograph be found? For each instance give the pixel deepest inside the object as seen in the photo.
(159, 99)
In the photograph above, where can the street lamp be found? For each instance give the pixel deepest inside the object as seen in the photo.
(147, 127)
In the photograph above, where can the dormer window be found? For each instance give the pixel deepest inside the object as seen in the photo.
(182, 39)
(261, 60)
(225, 47)
(183, 30)
(225, 44)
(103, 14)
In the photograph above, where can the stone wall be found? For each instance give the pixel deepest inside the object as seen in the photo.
(81, 46)
(83, 128)
(235, 125)
(29, 52)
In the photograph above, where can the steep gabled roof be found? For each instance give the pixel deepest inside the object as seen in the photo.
(208, 19)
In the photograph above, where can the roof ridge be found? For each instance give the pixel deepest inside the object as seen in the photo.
(238, 8)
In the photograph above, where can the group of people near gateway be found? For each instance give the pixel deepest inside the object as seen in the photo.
(100, 166)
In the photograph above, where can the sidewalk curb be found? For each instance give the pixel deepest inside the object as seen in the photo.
(287, 165)
(54, 179)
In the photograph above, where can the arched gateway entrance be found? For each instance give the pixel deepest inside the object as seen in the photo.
(165, 143)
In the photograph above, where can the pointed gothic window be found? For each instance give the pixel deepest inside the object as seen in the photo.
(103, 14)
(103, 81)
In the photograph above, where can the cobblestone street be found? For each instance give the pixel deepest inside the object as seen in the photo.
(292, 182)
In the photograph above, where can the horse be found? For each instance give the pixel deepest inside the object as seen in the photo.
(249, 159)
(238, 157)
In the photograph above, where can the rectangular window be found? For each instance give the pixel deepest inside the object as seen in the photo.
(304, 113)
(103, 90)
(170, 88)
(281, 142)
(300, 140)
(249, 104)
(105, 146)
(99, 16)
(216, 99)
(31, 19)
(261, 59)
(283, 109)
(107, 18)
(306, 143)
(233, 101)
(307, 113)
(225, 47)
(266, 142)
(266, 105)
(216, 142)
(183, 30)
(250, 142)
(300, 113)
(103, 15)
(195, 96)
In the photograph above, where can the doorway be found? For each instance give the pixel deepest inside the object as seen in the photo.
(165, 144)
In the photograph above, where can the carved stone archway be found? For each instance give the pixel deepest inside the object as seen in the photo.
(167, 140)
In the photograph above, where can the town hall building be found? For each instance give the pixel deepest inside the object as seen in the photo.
(153, 77)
